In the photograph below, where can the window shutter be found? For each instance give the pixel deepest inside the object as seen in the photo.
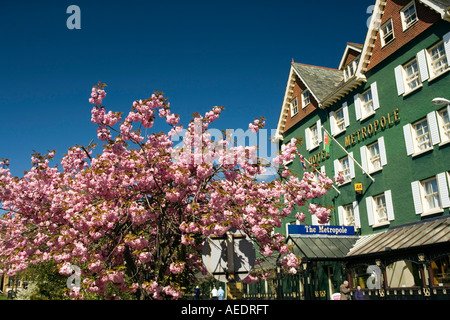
(382, 148)
(346, 117)
(408, 139)
(415, 186)
(352, 165)
(423, 68)
(341, 215)
(376, 102)
(336, 167)
(434, 131)
(319, 130)
(369, 210)
(446, 39)
(332, 123)
(356, 213)
(357, 106)
(389, 206)
(399, 80)
(443, 190)
(363, 152)
(307, 139)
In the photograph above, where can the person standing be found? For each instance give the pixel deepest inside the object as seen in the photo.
(221, 293)
(345, 291)
(197, 293)
(359, 295)
(214, 293)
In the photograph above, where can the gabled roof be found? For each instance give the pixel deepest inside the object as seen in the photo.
(350, 46)
(319, 80)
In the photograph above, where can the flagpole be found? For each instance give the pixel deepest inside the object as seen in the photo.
(348, 154)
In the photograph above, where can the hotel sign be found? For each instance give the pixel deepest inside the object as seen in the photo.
(365, 132)
(295, 229)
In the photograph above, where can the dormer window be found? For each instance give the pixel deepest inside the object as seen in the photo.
(294, 107)
(350, 69)
(305, 98)
(387, 33)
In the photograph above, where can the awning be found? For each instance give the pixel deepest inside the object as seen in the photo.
(424, 233)
(320, 247)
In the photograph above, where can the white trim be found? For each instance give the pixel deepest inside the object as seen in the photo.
(433, 128)
(369, 209)
(351, 165)
(399, 80)
(356, 99)
(417, 199)
(363, 151)
(408, 139)
(382, 148)
(356, 214)
(319, 130)
(423, 65)
(346, 117)
(341, 215)
(443, 189)
(307, 138)
(332, 123)
(389, 205)
(375, 101)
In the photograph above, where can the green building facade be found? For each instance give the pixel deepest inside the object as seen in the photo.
(386, 111)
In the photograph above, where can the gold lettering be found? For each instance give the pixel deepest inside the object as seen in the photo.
(363, 133)
(376, 123)
(396, 117)
(369, 129)
(353, 137)
(357, 132)
(347, 141)
(311, 160)
(389, 119)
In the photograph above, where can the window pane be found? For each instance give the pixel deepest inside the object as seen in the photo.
(422, 135)
(432, 199)
(380, 209)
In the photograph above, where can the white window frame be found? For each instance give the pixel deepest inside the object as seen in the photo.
(306, 98)
(360, 103)
(405, 24)
(414, 78)
(349, 215)
(421, 194)
(313, 141)
(441, 59)
(294, 106)
(350, 69)
(366, 161)
(348, 172)
(338, 124)
(384, 33)
(374, 209)
(444, 125)
(412, 139)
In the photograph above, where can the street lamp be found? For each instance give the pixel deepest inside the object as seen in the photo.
(440, 101)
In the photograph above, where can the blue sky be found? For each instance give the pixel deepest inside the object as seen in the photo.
(201, 54)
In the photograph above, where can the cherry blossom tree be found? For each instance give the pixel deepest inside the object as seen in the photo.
(134, 215)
